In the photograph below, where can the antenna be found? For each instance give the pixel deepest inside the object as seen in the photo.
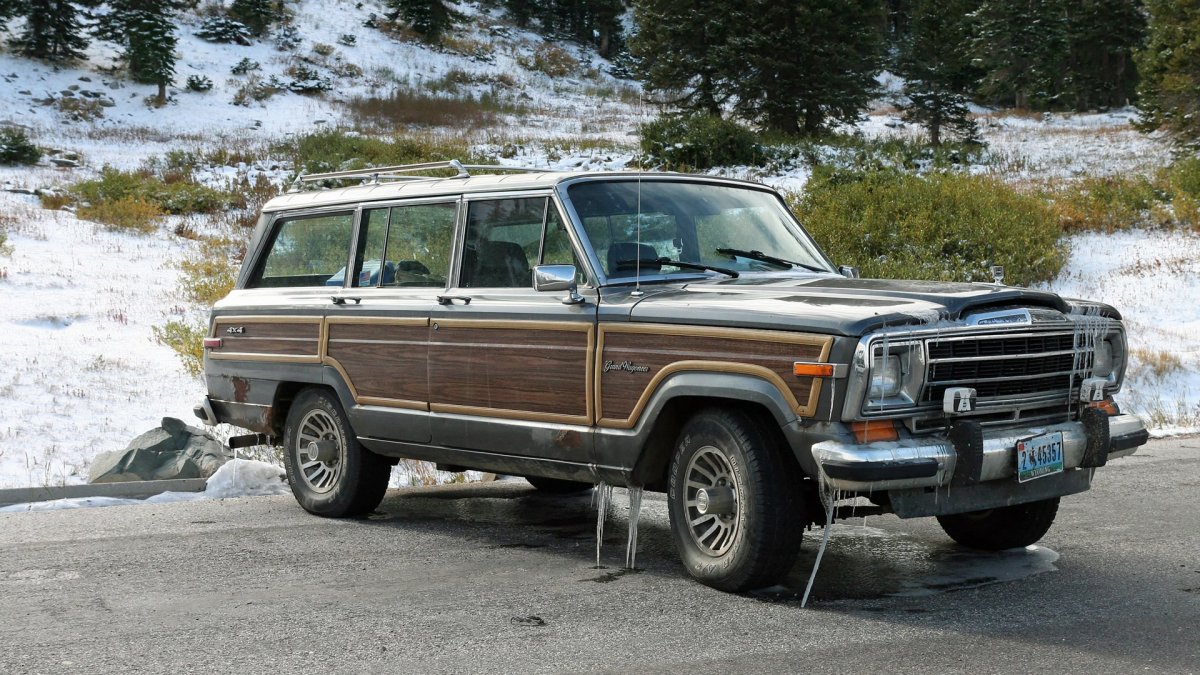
(637, 274)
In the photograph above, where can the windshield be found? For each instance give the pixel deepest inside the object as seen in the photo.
(635, 227)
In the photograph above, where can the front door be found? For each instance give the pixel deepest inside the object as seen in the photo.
(510, 369)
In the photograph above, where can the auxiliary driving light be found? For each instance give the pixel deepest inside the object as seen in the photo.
(958, 400)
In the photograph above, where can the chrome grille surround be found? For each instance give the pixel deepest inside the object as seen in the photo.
(1022, 373)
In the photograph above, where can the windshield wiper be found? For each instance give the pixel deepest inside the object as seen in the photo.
(763, 257)
(648, 262)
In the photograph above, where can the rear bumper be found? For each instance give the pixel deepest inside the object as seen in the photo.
(971, 456)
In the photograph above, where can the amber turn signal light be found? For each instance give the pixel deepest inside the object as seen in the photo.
(874, 430)
(803, 369)
(1108, 405)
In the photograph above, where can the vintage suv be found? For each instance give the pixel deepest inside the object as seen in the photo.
(680, 333)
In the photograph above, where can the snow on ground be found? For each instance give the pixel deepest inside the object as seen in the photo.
(235, 478)
(84, 374)
(1153, 278)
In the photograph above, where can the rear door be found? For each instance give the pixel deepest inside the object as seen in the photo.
(378, 333)
(510, 369)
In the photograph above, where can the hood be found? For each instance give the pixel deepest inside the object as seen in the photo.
(833, 305)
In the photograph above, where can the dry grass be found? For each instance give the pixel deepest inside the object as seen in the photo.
(1159, 364)
(409, 108)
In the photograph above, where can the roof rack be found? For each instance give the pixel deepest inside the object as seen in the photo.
(377, 174)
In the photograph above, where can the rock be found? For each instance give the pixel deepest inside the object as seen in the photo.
(25, 92)
(74, 87)
(67, 92)
(85, 78)
(173, 450)
(107, 102)
(74, 156)
(64, 163)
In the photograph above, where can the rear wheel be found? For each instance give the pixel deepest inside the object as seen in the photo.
(1006, 527)
(734, 502)
(330, 473)
(557, 486)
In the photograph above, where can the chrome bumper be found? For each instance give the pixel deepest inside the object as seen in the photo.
(932, 461)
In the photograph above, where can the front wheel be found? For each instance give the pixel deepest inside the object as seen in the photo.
(330, 472)
(734, 502)
(1006, 527)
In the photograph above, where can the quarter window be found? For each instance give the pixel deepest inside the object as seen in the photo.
(307, 251)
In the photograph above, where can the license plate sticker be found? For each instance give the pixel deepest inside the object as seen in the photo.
(1039, 456)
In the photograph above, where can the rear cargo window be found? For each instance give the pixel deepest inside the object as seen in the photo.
(307, 251)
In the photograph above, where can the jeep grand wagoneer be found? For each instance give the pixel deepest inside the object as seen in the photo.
(681, 333)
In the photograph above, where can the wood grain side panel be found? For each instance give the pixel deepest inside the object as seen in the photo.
(635, 359)
(268, 338)
(380, 360)
(542, 370)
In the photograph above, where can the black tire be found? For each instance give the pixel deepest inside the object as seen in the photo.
(746, 470)
(557, 486)
(339, 478)
(1007, 527)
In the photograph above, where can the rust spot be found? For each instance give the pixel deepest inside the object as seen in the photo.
(568, 439)
(241, 387)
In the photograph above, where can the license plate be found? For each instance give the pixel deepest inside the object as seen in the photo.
(1039, 456)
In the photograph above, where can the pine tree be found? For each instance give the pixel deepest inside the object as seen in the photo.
(257, 15)
(796, 67)
(1020, 46)
(935, 62)
(1100, 38)
(53, 30)
(680, 47)
(1169, 66)
(429, 18)
(146, 31)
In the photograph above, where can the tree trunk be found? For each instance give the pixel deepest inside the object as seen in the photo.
(162, 94)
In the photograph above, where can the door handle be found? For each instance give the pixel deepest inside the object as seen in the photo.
(341, 299)
(450, 299)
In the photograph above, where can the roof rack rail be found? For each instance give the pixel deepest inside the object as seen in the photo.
(376, 174)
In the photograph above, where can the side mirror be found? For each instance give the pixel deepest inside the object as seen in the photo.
(558, 278)
(848, 271)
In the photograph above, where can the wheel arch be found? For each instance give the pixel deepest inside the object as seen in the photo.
(686, 393)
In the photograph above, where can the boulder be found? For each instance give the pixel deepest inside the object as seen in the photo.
(173, 450)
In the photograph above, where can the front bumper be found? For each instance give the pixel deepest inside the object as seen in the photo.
(973, 456)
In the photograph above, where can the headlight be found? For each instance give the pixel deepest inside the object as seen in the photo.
(1102, 361)
(886, 377)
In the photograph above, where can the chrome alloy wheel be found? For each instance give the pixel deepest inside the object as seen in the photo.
(320, 450)
(712, 501)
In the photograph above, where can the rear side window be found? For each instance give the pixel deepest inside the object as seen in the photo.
(307, 251)
(505, 238)
(407, 245)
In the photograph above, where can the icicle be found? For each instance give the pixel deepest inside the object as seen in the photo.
(829, 496)
(601, 498)
(635, 511)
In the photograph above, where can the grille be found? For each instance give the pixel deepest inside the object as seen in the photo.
(1007, 367)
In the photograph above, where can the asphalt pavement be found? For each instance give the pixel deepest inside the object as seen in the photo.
(498, 578)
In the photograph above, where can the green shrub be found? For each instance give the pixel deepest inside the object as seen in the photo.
(186, 340)
(336, 150)
(1184, 176)
(683, 142)
(131, 213)
(177, 197)
(943, 226)
(16, 148)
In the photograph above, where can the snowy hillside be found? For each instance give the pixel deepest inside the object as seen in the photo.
(84, 374)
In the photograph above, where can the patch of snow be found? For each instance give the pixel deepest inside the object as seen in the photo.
(235, 478)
